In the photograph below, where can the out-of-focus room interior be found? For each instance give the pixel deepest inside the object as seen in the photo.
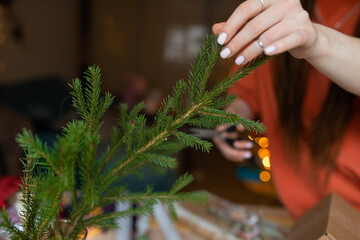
(143, 48)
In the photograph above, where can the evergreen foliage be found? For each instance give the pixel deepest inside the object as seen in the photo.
(75, 152)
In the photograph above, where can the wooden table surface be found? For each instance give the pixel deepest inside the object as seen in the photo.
(189, 231)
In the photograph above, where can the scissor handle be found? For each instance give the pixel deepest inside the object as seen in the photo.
(230, 141)
(231, 129)
(242, 136)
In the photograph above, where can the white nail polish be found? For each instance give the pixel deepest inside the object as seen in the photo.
(247, 155)
(225, 53)
(249, 145)
(239, 60)
(222, 38)
(270, 49)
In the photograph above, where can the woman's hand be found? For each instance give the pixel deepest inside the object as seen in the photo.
(240, 149)
(274, 27)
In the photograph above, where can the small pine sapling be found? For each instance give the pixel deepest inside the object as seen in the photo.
(73, 162)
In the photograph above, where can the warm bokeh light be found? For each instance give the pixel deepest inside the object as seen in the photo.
(263, 142)
(263, 152)
(257, 139)
(265, 176)
(266, 162)
(250, 138)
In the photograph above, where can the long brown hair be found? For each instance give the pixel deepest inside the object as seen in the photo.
(325, 134)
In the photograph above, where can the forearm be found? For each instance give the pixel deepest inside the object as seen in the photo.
(337, 56)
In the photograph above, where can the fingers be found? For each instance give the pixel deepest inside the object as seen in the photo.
(287, 43)
(268, 39)
(240, 149)
(222, 130)
(282, 25)
(251, 31)
(243, 144)
(281, 37)
(283, 43)
(245, 11)
(238, 154)
(249, 53)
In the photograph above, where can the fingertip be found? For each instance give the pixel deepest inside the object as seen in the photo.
(225, 52)
(243, 144)
(239, 60)
(270, 50)
(217, 27)
(222, 39)
(247, 155)
(249, 145)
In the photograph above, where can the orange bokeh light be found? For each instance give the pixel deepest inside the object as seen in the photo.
(263, 152)
(265, 176)
(264, 142)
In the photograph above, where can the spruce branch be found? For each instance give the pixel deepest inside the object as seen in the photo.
(197, 68)
(45, 222)
(134, 143)
(116, 144)
(29, 201)
(236, 76)
(192, 141)
(37, 149)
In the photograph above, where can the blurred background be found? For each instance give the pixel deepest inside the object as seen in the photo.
(142, 47)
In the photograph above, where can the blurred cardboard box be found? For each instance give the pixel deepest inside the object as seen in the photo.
(333, 218)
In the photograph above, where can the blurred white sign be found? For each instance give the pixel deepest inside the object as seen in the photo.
(183, 43)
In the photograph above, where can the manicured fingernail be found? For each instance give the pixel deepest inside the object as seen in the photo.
(249, 145)
(270, 49)
(247, 155)
(222, 38)
(225, 53)
(239, 60)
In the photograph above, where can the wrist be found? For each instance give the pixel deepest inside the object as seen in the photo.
(322, 46)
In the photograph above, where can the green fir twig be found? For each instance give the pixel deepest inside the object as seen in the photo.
(134, 144)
